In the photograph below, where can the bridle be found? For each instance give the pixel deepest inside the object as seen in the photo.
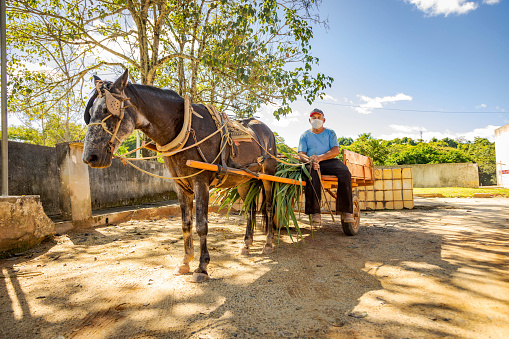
(115, 106)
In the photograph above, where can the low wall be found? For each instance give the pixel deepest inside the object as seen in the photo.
(124, 185)
(33, 170)
(443, 175)
(45, 171)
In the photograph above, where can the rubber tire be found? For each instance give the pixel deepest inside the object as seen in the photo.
(351, 229)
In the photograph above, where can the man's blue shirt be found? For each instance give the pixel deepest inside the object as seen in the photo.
(316, 144)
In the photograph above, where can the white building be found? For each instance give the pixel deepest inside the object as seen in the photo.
(502, 152)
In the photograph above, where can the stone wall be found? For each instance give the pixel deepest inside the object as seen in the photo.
(443, 175)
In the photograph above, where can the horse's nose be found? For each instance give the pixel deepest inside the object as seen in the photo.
(91, 159)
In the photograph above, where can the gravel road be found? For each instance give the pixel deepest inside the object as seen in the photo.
(440, 270)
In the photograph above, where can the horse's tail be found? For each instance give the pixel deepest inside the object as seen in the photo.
(265, 217)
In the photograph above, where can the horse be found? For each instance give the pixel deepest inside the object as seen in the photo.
(117, 108)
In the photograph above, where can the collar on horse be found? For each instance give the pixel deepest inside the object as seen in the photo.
(181, 139)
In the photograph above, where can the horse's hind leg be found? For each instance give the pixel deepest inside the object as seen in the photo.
(186, 207)
(248, 238)
(201, 192)
(268, 216)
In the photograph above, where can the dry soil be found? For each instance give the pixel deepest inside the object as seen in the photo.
(440, 270)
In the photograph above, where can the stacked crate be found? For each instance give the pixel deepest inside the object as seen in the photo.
(393, 189)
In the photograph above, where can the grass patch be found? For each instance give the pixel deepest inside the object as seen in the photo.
(462, 192)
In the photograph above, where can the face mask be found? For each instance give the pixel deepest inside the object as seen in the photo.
(316, 123)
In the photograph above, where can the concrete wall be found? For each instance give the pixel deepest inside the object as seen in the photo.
(443, 175)
(123, 185)
(33, 170)
(502, 154)
(60, 178)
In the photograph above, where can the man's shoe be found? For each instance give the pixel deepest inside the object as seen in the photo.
(347, 217)
(316, 218)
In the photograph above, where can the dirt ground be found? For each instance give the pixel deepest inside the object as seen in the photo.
(440, 270)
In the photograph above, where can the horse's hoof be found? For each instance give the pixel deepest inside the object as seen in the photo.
(181, 269)
(244, 251)
(267, 250)
(199, 277)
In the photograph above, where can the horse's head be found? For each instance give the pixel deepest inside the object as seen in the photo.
(109, 122)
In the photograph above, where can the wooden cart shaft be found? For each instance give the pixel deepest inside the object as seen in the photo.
(360, 166)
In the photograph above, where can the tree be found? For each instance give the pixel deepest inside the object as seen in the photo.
(281, 145)
(376, 149)
(235, 54)
(450, 142)
(424, 153)
(345, 141)
(482, 151)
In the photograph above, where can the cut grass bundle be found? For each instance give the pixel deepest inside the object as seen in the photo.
(285, 197)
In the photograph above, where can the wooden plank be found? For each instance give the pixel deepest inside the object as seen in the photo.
(211, 167)
(360, 166)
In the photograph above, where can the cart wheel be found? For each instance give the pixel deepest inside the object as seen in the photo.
(353, 227)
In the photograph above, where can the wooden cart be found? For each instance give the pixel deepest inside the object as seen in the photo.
(361, 168)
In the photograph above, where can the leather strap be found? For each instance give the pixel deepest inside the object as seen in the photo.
(181, 139)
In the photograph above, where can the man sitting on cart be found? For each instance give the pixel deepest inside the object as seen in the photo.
(320, 146)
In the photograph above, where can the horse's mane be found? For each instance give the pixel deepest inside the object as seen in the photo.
(138, 90)
(135, 90)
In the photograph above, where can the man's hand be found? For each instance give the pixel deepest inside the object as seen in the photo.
(315, 160)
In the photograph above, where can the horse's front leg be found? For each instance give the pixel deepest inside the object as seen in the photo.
(248, 237)
(269, 214)
(186, 208)
(201, 191)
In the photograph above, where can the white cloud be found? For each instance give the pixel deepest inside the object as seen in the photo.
(266, 114)
(407, 129)
(414, 132)
(446, 7)
(491, 2)
(329, 97)
(481, 106)
(286, 120)
(378, 102)
(36, 67)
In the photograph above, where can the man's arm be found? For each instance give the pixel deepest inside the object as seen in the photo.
(303, 157)
(317, 158)
(330, 154)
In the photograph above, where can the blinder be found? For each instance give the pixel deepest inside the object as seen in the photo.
(115, 107)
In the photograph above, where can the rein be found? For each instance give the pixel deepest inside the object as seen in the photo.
(115, 106)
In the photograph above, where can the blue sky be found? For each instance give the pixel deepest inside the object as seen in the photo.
(409, 56)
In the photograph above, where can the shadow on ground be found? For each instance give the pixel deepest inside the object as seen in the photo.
(431, 272)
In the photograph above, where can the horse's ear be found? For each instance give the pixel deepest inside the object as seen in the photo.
(87, 117)
(89, 106)
(121, 82)
(96, 78)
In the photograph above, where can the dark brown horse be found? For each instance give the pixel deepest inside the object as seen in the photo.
(117, 109)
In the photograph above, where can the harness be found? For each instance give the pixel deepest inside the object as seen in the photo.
(116, 107)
